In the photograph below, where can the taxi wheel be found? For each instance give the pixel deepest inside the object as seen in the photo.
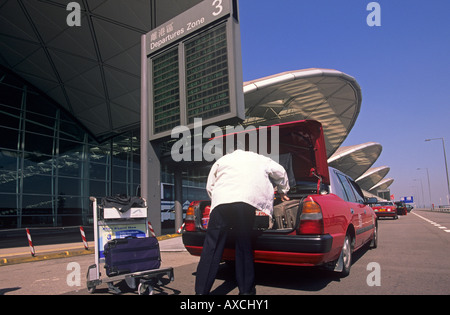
(346, 256)
(374, 242)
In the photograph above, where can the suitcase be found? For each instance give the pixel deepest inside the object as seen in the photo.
(129, 255)
(262, 221)
(285, 214)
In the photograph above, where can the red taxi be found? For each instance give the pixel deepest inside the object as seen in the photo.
(332, 219)
(385, 209)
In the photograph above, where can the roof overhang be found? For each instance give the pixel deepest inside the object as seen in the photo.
(357, 159)
(329, 96)
(384, 184)
(372, 177)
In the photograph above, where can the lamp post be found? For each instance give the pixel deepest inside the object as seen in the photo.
(446, 168)
(421, 185)
(429, 187)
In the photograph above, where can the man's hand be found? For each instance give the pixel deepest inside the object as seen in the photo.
(284, 197)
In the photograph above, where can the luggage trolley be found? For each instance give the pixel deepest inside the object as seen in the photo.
(112, 224)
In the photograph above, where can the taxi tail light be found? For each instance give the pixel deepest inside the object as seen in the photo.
(311, 219)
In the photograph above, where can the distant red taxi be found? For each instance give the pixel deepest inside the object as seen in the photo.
(385, 209)
(332, 219)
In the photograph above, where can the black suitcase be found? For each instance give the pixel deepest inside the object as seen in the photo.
(129, 255)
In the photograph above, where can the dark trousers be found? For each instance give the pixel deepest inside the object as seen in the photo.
(240, 217)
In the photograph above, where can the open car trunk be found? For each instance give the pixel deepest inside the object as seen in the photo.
(302, 153)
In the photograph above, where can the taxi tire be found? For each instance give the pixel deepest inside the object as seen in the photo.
(346, 256)
(374, 241)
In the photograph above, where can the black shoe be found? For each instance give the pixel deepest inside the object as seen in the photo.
(252, 292)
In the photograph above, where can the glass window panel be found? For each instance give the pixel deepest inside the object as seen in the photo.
(8, 204)
(137, 176)
(33, 160)
(8, 160)
(136, 161)
(8, 211)
(37, 220)
(41, 119)
(8, 182)
(119, 174)
(73, 149)
(97, 188)
(98, 171)
(10, 96)
(99, 154)
(71, 131)
(36, 127)
(38, 104)
(120, 159)
(38, 143)
(69, 205)
(69, 186)
(70, 167)
(119, 188)
(35, 205)
(11, 109)
(9, 119)
(37, 184)
(8, 138)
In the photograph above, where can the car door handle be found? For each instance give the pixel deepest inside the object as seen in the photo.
(352, 211)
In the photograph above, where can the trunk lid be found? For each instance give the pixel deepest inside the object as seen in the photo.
(301, 148)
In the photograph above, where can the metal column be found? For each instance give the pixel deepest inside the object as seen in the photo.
(150, 158)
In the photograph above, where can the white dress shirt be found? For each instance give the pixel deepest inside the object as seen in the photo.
(247, 177)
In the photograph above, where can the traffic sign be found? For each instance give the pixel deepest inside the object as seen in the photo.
(407, 199)
(194, 66)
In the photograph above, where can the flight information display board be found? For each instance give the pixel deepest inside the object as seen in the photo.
(166, 91)
(195, 68)
(207, 79)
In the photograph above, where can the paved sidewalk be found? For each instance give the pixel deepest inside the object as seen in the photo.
(10, 256)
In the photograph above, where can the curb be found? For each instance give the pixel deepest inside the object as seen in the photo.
(62, 254)
(56, 255)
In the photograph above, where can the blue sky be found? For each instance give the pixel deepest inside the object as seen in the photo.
(402, 66)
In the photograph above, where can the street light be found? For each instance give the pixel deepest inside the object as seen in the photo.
(429, 187)
(446, 168)
(421, 185)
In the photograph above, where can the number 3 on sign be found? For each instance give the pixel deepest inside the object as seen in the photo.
(218, 5)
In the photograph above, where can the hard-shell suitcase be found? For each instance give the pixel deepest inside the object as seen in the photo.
(285, 214)
(130, 255)
(262, 221)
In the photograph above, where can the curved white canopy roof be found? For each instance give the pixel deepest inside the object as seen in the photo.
(384, 184)
(328, 96)
(357, 159)
(372, 177)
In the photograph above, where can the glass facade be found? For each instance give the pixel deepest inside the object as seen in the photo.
(49, 165)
